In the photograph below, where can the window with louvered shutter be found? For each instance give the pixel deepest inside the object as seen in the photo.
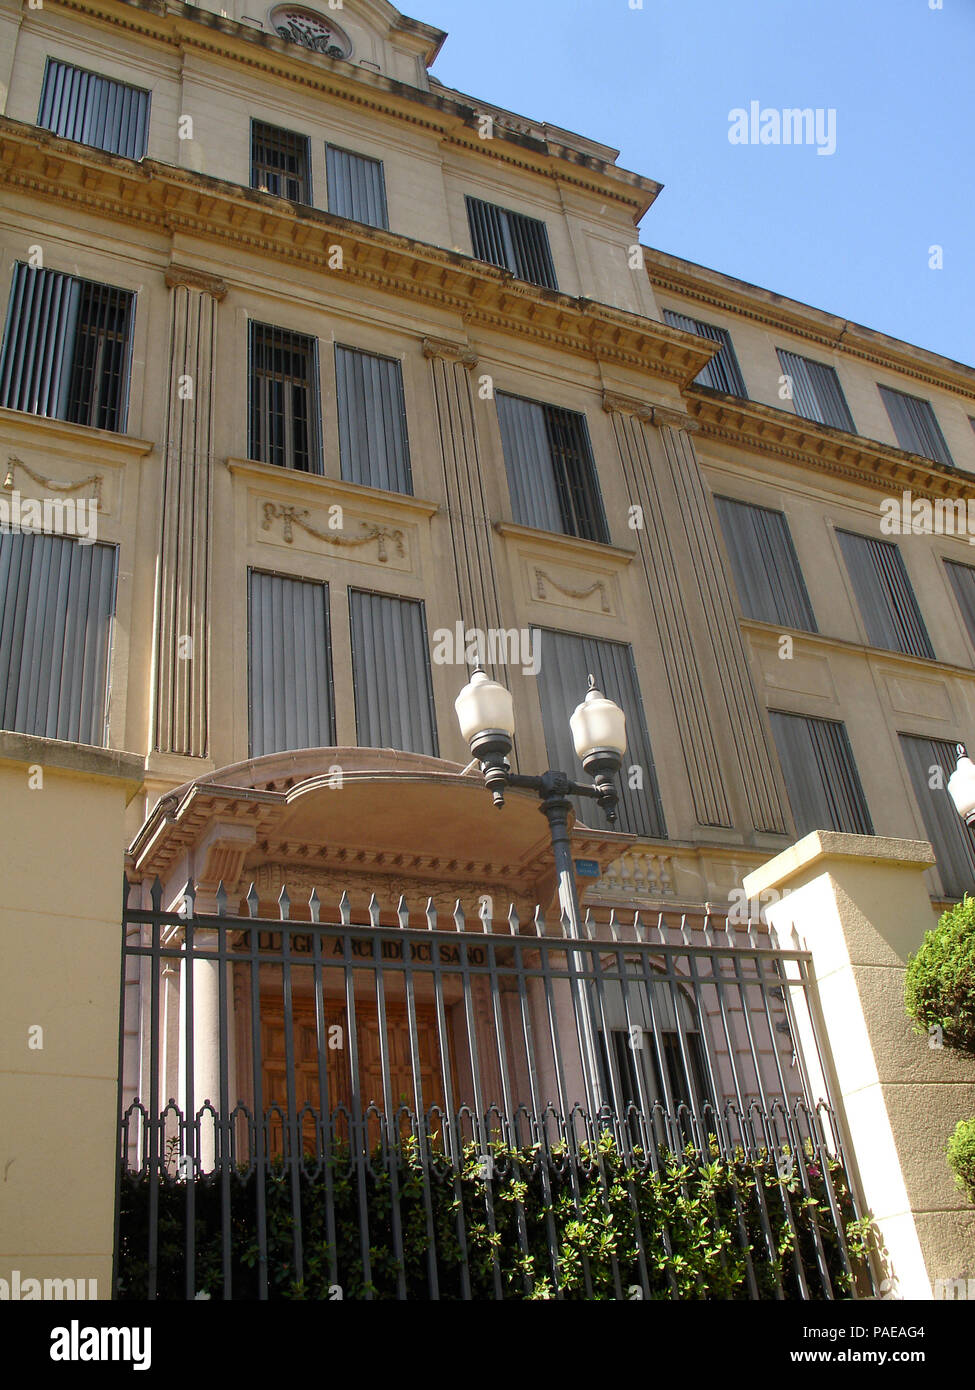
(962, 579)
(816, 391)
(550, 467)
(279, 162)
(373, 441)
(513, 241)
(94, 110)
(289, 664)
(283, 409)
(565, 662)
(722, 373)
(66, 348)
(356, 187)
(391, 673)
(884, 593)
(820, 774)
(916, 425)
(930, 762)
(766, 568)
(57, 606)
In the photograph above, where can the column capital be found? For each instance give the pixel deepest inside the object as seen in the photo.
(196, 280)
(647, 411)
(449, 351)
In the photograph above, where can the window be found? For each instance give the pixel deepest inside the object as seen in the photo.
(66, 348)
(722, 373)
(816, 391)
(289, 664)
(962, 578)
(887, 603)
(284, 418)
(565, 662)
(511, 240)
(550, 468)
(80, 105)
(930, 762)
(279, 162)
(391, 674)
(356, 187)
(821, 775)
(916, 425)
(57, 604)
(373, 443)
(770, 583)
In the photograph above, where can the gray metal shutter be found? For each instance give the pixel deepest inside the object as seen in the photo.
(289, 664)
(373, 442)
(952, 840)
(513, 241)
(550, 467)
(563, 679)
(963, 582)
(490, 234)
(916, 425)
(816, 391)
(38, 341)
(391, 674)
(57, 603)
(81, 105)
(722, 373)
(356, 187)
(887, 603)
(766, 567)
(821, 775)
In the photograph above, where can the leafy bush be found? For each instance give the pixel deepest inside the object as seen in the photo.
(587, 1223)
(961, 1157)
(939, 988)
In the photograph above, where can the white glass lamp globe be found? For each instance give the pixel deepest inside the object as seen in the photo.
(961, 786)
(484, 707)
(598, 726)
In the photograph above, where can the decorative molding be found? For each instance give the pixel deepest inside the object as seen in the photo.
(616, 404)
(566, 549)
(450, 352)
(293, 516)
(94, 481)
(196, 280)
(598, 586)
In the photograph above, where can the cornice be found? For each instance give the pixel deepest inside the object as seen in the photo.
(77, 441)
(318, 488)
(170, 201)
(710, 288)
(566, 548)
(900, 663)
(750, 425)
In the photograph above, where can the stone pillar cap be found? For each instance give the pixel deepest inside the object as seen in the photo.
(821, 846)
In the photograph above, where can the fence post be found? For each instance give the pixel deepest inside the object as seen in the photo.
(860, 905)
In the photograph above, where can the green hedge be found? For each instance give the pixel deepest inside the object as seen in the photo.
(697, 1206)
(961, 1157)
(939, 988)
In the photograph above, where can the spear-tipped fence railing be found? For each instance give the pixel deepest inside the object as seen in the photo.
(345, 1077)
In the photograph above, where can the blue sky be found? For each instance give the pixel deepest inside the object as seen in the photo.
(848, 232)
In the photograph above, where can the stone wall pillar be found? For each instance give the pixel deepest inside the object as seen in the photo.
(860, 905)
(183, 584)
(691, 606)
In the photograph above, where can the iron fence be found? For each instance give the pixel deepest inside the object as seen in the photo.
(385, 1105)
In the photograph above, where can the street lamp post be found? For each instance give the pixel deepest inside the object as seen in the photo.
(485, 713)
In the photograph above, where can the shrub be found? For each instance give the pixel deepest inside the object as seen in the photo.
(939, 988)
(961, 1157)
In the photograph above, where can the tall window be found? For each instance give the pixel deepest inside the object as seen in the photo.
(884, 593)
(930, 762)
(373, 442)
(283, 399)
(391, 674)
(551, 471)
(279, 162)
(962, 578)
(916, 425)
(816, 391)
(821, 775)
(766, 567)
(66, 348)
(356, 187)
(512, 240)
(289, 664)
(57, 604)
(648, 1026)
(722, 373)
(565, 662)
(81, 105)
